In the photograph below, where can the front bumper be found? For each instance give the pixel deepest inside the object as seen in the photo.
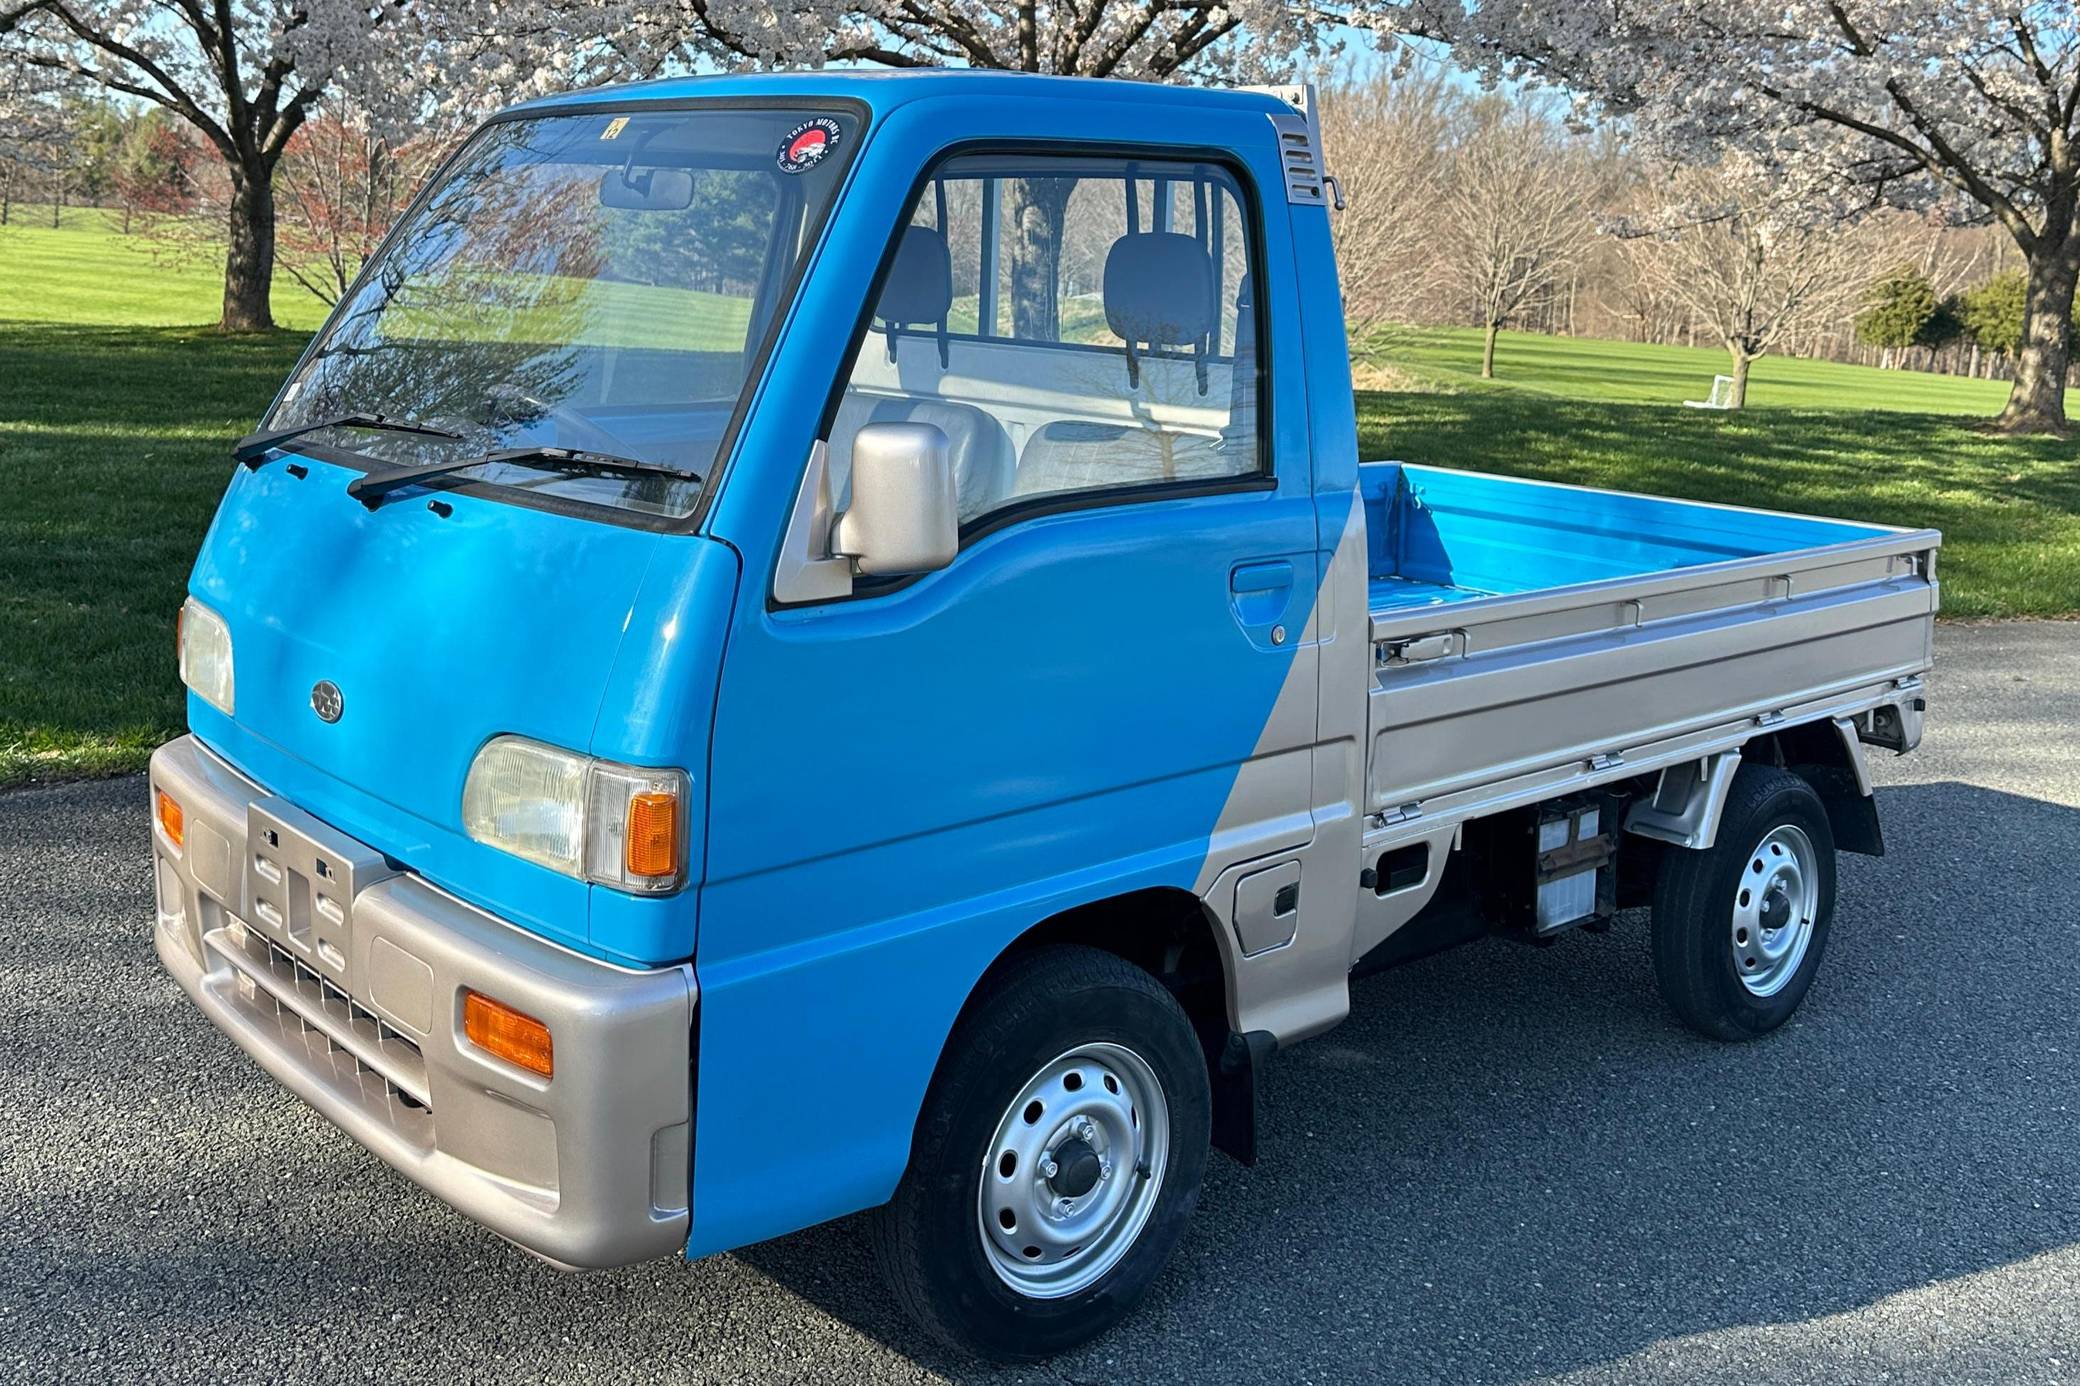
(343, 977)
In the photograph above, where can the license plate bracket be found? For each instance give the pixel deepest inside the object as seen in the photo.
(301, 880)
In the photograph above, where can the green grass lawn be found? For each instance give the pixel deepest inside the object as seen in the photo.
(116, 420)
(1585, 369)
(86, 271)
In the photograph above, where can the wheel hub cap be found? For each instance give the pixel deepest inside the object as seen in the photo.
(1775, 903)
(1074, 1171)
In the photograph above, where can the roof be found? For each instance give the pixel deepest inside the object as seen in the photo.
(884, 89)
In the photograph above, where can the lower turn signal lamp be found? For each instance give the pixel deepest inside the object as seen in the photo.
(170, 820)
(505, 1033)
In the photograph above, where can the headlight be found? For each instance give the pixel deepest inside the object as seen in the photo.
(205, 643)
(618, 825)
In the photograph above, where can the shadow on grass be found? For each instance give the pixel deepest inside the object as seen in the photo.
(114, 448)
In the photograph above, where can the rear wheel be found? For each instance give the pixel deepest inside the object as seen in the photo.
(1056, 1162)
(1739, 928)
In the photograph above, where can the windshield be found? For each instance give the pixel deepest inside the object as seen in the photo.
(597, 281)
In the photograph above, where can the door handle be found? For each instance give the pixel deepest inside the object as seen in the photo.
(1261, 577)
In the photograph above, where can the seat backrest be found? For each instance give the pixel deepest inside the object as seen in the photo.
(976, 444)
(919, 287)
(1159, 292)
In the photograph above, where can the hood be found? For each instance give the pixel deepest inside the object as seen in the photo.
(438, 631)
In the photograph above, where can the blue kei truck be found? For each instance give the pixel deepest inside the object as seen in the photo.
(820, 642)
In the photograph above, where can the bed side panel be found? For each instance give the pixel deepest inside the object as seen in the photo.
(1534, 683)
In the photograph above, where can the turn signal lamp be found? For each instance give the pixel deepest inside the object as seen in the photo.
(651, 849)
(505, 1033)
(170, 819)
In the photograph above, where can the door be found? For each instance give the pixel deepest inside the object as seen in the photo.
(1110, 689)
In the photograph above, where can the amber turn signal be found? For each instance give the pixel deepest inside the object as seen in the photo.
(498, 1029)
(652, 848)
(170, 818)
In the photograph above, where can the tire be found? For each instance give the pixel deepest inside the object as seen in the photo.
(1077, 1033)
(1721, 966)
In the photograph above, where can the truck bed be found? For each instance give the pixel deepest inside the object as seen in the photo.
(1531, 639)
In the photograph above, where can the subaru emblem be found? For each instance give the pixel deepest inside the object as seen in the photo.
(326, 701)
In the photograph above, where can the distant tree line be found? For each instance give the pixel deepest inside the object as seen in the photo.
(1496, 210)
(1466, 207)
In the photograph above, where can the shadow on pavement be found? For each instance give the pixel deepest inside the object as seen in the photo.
(1508, 1162)
(1511, 1161)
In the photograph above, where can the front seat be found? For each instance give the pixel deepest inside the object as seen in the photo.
(1159, 293)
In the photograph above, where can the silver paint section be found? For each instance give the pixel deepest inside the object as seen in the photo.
(587, 1168)
(1297, 799)
(1503, 702)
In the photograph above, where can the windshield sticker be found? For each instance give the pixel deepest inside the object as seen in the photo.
(614, 128)
(807, 144)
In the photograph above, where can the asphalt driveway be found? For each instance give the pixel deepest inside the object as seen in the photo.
(1508, 1165)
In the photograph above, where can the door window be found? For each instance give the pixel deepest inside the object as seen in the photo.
(1076, 326)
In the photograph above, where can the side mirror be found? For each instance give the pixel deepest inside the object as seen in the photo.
(905, 513)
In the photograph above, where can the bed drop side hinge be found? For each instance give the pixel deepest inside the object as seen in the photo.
(1403, 813)
(1418, 649)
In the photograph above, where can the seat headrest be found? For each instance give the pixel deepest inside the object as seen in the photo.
(919, 287)
(1159, 289)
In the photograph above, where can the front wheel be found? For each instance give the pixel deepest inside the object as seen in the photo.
(1056, 1162)
(1739, 928)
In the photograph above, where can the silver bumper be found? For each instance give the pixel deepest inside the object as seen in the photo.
(343, 977)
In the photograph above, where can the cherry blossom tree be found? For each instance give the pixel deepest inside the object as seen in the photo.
(1154, 40)
(229, 68)
(32, 128)
(246, 75)
(1517, 213)
(1965, 109)
(1751, 260)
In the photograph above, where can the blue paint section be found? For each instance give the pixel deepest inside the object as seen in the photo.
(888, 791)
(1438, 536)
(442, 633)
(903, 784)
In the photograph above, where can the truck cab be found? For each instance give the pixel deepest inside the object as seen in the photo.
(809, 643)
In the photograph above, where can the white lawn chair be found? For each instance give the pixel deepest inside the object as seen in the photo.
(1720, 398)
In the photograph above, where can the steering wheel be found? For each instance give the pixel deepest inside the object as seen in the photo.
(593, 438)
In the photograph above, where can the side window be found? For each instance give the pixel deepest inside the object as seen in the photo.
(1072, 324)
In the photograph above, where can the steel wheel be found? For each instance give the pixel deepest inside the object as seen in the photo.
(1777, 900)
(1074, 1170)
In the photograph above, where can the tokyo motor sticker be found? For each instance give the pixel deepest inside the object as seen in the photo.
(808, 144)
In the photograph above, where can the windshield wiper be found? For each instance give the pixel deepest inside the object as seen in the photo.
(252, 449)
(373, 487)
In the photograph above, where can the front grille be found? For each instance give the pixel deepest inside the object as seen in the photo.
(356, 1051)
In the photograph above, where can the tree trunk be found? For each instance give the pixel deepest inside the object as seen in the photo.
(1488, 350)
(2037, 400)
(1039, 207)
(249, 263)
(1737, 396)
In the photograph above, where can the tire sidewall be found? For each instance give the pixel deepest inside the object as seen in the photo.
(944, 1187)
(1795, 804)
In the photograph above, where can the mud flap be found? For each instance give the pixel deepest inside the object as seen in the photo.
(1238, 1093)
